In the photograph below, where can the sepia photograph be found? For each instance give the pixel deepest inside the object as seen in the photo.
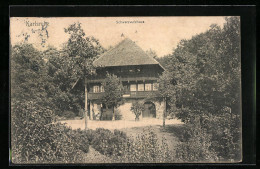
(97, 90)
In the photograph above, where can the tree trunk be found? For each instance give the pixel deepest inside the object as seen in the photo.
(86, 104)
(101, 112)
(164, 112)
(113, 117)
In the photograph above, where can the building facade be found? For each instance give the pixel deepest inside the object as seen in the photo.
(138, 73)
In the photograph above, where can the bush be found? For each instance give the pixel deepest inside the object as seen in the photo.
(68, 114)
(107, 142)
(143, 148)
(146, 148)
(90, 135)
(195, 145)
(82, 141)
(35, 139)
(225, 132)
(211, 138)
(137, 108)
(118, 115)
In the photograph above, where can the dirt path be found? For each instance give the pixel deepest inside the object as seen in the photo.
(118, 124)
(94, 156)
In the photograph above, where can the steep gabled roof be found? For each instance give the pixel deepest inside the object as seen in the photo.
(124, 54)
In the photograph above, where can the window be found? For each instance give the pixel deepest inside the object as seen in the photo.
(95, 89)
(92, 71)
(155, 86)
(141, 87)
(101, 88)
(126, 88)
(148, 87)
(131, 70)
(133, 87)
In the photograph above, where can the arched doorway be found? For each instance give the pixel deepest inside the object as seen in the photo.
(149, 110)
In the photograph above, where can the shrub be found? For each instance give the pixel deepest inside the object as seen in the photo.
(118, 115)
(145, 148)
(35, 139)
(82, 141)
(68, 114)
(90, 135)
(225, 136)
(195, 146)
(210, 138)
(107, 142)
(137, 108)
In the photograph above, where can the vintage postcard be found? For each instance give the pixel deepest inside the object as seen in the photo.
(125, 90)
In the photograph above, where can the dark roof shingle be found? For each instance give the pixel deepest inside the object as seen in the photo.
(124, 54)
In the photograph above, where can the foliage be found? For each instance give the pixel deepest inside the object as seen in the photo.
(195, 145)
(27, 66)
(113, 92)
(118, 114)
(225, 142)
(34, 136)
(83, 49)
(137, 108)
(107, 142)
(164, 60)
(209, 139)
(67, 66)
(61, 75)
(68, 114)
(206, 70)
(82, 141)
(35, 139)
(152, 53)
(145, 148)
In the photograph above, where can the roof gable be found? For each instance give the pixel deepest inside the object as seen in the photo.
(124, 54)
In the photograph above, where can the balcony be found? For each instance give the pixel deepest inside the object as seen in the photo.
(125, 79)
(128, 94)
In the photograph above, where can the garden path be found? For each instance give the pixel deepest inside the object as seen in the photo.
(118, 124)
(93, 156)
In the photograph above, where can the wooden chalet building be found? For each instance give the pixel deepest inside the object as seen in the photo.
(138, 73)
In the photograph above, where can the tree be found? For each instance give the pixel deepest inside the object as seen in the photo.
(113, 92)
(61, 75)
(206, 69)
(166, 90)
(164, 60)
(26, 66)
(137, 108)
(34, 138)
(84, 50)
(152, 53)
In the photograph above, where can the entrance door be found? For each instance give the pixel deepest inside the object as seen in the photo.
(149, 110)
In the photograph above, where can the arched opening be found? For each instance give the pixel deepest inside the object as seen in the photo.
(149, 110)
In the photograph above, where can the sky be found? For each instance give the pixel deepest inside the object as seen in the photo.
(161, 34)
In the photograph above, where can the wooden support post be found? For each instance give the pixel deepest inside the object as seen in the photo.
(86, 104)
(113, 115)
(164, 111)
(91, 111)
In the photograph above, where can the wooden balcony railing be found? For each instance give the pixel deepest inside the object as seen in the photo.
(127, 94)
